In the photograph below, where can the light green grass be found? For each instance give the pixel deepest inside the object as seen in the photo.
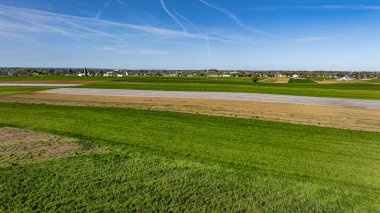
(298, 81)
(172, 161)
(188, 80)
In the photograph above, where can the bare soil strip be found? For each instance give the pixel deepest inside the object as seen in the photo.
(251, 97)
(336, 117)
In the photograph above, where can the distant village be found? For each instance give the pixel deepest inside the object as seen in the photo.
(342, 75)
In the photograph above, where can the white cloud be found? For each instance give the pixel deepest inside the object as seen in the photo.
(30, 24)
(25, 21)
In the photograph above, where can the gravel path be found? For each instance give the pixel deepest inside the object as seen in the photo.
(36, 85)
(315, 101)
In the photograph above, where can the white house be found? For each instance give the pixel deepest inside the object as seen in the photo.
(109, 74)
(295, 76)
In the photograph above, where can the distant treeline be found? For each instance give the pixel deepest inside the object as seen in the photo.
(186, 73)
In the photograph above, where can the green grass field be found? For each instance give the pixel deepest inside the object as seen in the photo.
(358, 91)
(54, 78)
(295, 87)
(203, 80)
(18, 90)
(375, 81)
(168, 161)
(300, 81)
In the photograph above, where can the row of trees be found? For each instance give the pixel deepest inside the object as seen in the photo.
(184, 73)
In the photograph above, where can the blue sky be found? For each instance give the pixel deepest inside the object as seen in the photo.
(191, 34)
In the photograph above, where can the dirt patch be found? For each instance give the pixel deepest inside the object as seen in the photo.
(278, 80)
(345, 118)
(21, 147)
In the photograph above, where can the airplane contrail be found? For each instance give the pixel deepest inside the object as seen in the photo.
(205, 36)
(100, 12)
(172, 16)
(233, 17)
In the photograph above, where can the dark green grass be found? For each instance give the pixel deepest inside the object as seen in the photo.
(18, 90)
(189, 80)
(244, 82)
(55, 78)
(357, 91)
(302, 81)
(203, 80)
(170, 161)
(374, 80)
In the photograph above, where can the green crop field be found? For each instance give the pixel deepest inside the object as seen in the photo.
(302, 81)
(358, 91)
(54, 78)
(301, 88)
(166, 161)
(199, 80)
(203, 80)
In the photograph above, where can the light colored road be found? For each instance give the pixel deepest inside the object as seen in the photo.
(36, 85)
(254, 97)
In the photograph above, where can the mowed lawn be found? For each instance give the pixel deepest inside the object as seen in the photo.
(299, 87)
(172, 161)
(341, 90)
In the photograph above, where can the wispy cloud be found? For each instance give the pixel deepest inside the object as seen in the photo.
(205, 35)
(233, 17)
(163, 5)
(132, 51)
(324, 38)
(338, 7)
(100, 12)
(208, 43)
(313, 38)
(334, 7)
(121, 2)
(24, 21)
(26, 25)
